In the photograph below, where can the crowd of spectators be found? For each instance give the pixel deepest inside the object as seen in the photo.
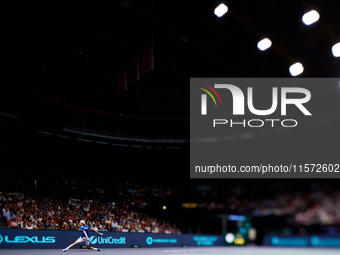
(69, 182)
(302, 203)
(24, 211)
(304, 208)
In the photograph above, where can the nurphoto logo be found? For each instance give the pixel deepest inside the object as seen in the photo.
(238, 99)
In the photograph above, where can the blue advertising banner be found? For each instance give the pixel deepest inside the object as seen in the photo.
(302, 241)
(53, 239)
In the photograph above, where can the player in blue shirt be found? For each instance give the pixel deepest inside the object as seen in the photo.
(84, 237)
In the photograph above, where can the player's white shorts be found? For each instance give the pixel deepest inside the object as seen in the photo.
(83, 239)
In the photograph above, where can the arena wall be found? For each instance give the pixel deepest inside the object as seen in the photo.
(302, 241)
(54, 239)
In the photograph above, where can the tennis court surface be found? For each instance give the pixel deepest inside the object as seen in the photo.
(184, 251)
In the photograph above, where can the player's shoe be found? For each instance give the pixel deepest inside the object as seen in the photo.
(98, 249)
(64, 250)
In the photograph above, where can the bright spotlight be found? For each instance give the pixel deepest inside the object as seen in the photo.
(221, 10)
(264, 44)
(296, 69)
(336, 50)
(310, 17)
(229, 238)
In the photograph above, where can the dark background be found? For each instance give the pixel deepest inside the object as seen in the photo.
(61, 61)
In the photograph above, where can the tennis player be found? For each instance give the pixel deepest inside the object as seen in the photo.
(84, 237)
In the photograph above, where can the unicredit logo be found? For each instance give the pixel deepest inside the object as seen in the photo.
(107, 240)
(93, 239)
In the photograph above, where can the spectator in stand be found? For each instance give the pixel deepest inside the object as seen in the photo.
(29, 225)
(5, 212)
(147, 228)
(11, 216)
(24, 216)
(53, 225)
(47, 224)
(34, 224)
(40, 225)
(141, 229)
(168, 230)
(64, 226)
(73, 226)
(23, 224)
(71, 217)
(154, 229)
(114, 225)
(20, 203)
(104, 228)
(40, 217)
(133, 228)
(108, 222)
(57, 220)
(124, 228)
(15, 224)
(18, 214)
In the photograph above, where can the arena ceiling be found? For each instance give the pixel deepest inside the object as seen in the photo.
(62, 59)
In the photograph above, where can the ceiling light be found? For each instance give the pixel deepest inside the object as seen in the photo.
(296, 69)
(264, 44)
(221, 10)
(310, 17)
